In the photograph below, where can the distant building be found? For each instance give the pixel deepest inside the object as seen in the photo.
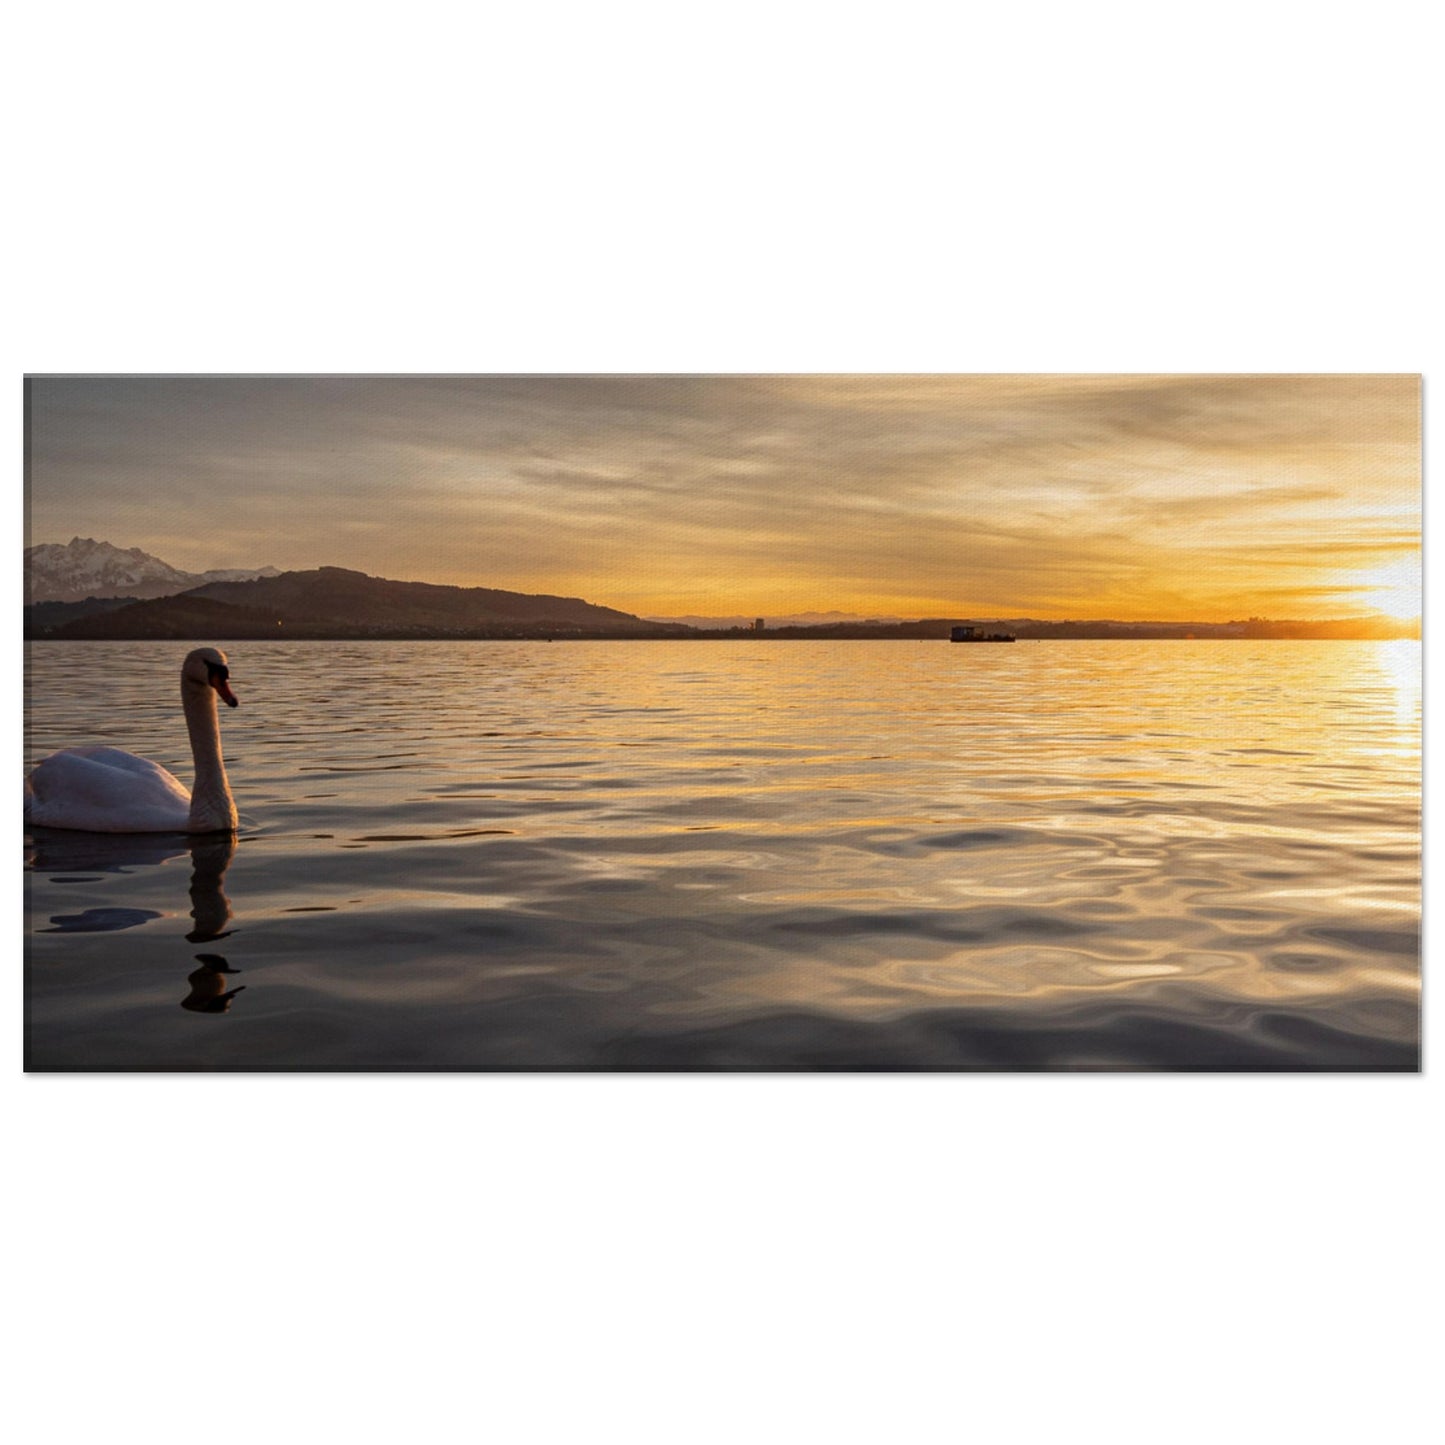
(758, 625)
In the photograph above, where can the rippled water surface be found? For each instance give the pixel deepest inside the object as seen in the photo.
(753, 854)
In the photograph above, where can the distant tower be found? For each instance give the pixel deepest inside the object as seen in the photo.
(758, 625)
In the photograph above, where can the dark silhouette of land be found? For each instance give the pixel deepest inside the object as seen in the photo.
(331, 603)
(334, 604)
(937, 628)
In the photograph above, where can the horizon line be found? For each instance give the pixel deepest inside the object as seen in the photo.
(841, 618)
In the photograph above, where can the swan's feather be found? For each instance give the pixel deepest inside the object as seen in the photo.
(105, 790)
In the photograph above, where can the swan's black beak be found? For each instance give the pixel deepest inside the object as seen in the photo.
(216, 676)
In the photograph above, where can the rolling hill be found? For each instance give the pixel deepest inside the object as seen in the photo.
(334, 603)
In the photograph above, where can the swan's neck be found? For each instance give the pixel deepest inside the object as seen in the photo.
(210, 908)
(212, 809)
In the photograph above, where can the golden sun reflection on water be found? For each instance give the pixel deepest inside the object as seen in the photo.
(1399, 665)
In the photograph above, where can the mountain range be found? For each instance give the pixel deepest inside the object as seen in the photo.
(334, 603)
(83, 568)
(90, 589)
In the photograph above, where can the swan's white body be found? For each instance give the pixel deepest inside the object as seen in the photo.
(105, 790)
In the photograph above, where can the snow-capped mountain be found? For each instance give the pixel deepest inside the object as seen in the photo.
(83, 567)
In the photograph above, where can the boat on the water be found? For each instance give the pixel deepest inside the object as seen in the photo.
(968, 633)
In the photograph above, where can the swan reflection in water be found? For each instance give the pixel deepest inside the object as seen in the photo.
(209, 994)
(210, 912)
(61, 851)
(210, 908)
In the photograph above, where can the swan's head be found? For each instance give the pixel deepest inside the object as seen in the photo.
(206, 667)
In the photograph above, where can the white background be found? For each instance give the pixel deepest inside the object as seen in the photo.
(757, 187)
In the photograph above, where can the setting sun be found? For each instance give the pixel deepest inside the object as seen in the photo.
(1393, 589)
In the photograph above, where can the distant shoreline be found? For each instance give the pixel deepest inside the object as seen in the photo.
(802, 635)
(334, 604)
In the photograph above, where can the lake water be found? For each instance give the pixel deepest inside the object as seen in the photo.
(745, 855)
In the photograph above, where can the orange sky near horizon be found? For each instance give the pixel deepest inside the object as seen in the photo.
(1138, 497)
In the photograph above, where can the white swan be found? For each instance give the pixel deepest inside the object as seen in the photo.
(104, 790)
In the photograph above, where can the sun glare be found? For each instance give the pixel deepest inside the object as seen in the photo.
(1393, 589)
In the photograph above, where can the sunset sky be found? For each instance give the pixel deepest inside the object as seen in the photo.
(1134, 497)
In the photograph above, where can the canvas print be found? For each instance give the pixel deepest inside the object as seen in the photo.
(728, 723)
